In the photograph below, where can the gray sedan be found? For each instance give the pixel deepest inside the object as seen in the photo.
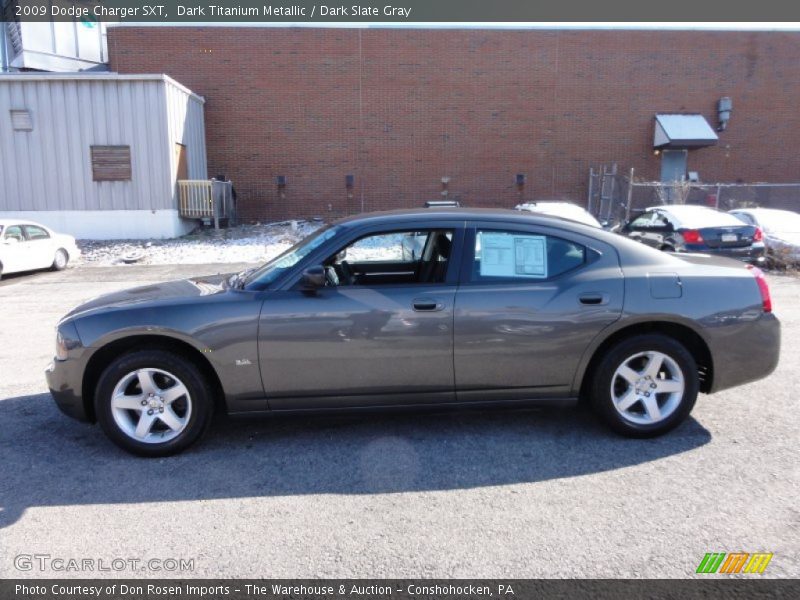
(496, 308)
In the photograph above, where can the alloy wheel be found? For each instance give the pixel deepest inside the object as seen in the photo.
(151, 405)
(647, 387)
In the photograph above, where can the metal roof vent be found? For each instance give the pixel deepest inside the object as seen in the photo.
(442, 204)
(21, 120)
(683, 131)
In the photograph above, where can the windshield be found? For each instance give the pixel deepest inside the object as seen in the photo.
(780, 221)
(270, 271)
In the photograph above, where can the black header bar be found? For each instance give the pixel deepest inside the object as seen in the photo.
(401, 11)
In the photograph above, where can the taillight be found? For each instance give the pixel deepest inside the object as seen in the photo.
(766, 299)
(692, 236)
(758, 235)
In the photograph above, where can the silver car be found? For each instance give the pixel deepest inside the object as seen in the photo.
(781, 231)
(494, 308)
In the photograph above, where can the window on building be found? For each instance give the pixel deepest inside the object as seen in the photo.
(21, 120)
(111, 163)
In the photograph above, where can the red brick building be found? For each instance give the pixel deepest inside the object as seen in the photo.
(400, 109)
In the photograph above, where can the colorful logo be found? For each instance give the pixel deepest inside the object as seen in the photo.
(734, 562)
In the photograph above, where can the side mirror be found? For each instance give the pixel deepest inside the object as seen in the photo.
(313, 278)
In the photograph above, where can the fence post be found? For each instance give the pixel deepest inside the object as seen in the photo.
(215, 203)
(629, 198)
(719, 190)
(591, 182)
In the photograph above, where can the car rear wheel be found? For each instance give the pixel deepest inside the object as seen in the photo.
(153, 403)
(60, 260)
(645, 385)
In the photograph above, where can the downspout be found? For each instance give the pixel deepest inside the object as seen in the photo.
(4, 68)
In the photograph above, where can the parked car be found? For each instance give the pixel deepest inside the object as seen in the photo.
(501, 308)
(565, 210)
(28, 246)
(689, 228)
(781, 232)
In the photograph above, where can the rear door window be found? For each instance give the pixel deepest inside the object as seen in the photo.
(517, 256)
(36, 233)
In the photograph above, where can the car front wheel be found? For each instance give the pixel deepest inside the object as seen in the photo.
(645, 385)
(153, 402)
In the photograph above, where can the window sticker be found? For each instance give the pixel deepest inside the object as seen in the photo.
(508, 255)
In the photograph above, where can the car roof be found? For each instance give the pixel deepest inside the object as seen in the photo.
(763, 211)
(686, 209)
(693, 215)
(9, 222)
(426, 215)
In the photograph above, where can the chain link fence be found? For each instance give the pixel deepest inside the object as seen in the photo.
(615, 197)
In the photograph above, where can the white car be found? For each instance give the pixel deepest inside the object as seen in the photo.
(27, 246)
(565, 210)
(781, 230)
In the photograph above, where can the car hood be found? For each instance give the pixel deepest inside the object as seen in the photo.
(154, 294)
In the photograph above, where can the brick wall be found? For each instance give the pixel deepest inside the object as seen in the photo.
(400, 109)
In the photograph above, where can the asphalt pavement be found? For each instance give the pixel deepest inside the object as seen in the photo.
(537, 493)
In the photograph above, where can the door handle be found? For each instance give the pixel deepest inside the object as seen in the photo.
(427, 304)
(593, 298)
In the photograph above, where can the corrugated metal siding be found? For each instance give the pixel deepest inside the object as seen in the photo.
(49, 168)
(186, 125)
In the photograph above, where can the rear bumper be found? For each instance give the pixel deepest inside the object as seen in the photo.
(753, 254)
(745, 352)
(65, 387)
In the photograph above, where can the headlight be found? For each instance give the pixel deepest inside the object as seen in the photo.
(61, 346)
(67, 340)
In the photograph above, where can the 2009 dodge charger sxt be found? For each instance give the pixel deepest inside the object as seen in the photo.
(420, 308)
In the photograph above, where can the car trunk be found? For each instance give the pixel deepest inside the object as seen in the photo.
(728, 237)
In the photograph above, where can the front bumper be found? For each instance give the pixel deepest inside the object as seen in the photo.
(63, 379)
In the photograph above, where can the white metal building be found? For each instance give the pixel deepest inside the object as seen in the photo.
(99, 155)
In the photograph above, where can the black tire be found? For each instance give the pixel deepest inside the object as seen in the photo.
(601, 382)
(200, 398)
(60, 260)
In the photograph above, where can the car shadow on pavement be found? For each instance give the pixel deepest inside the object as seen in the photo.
(49, 459)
